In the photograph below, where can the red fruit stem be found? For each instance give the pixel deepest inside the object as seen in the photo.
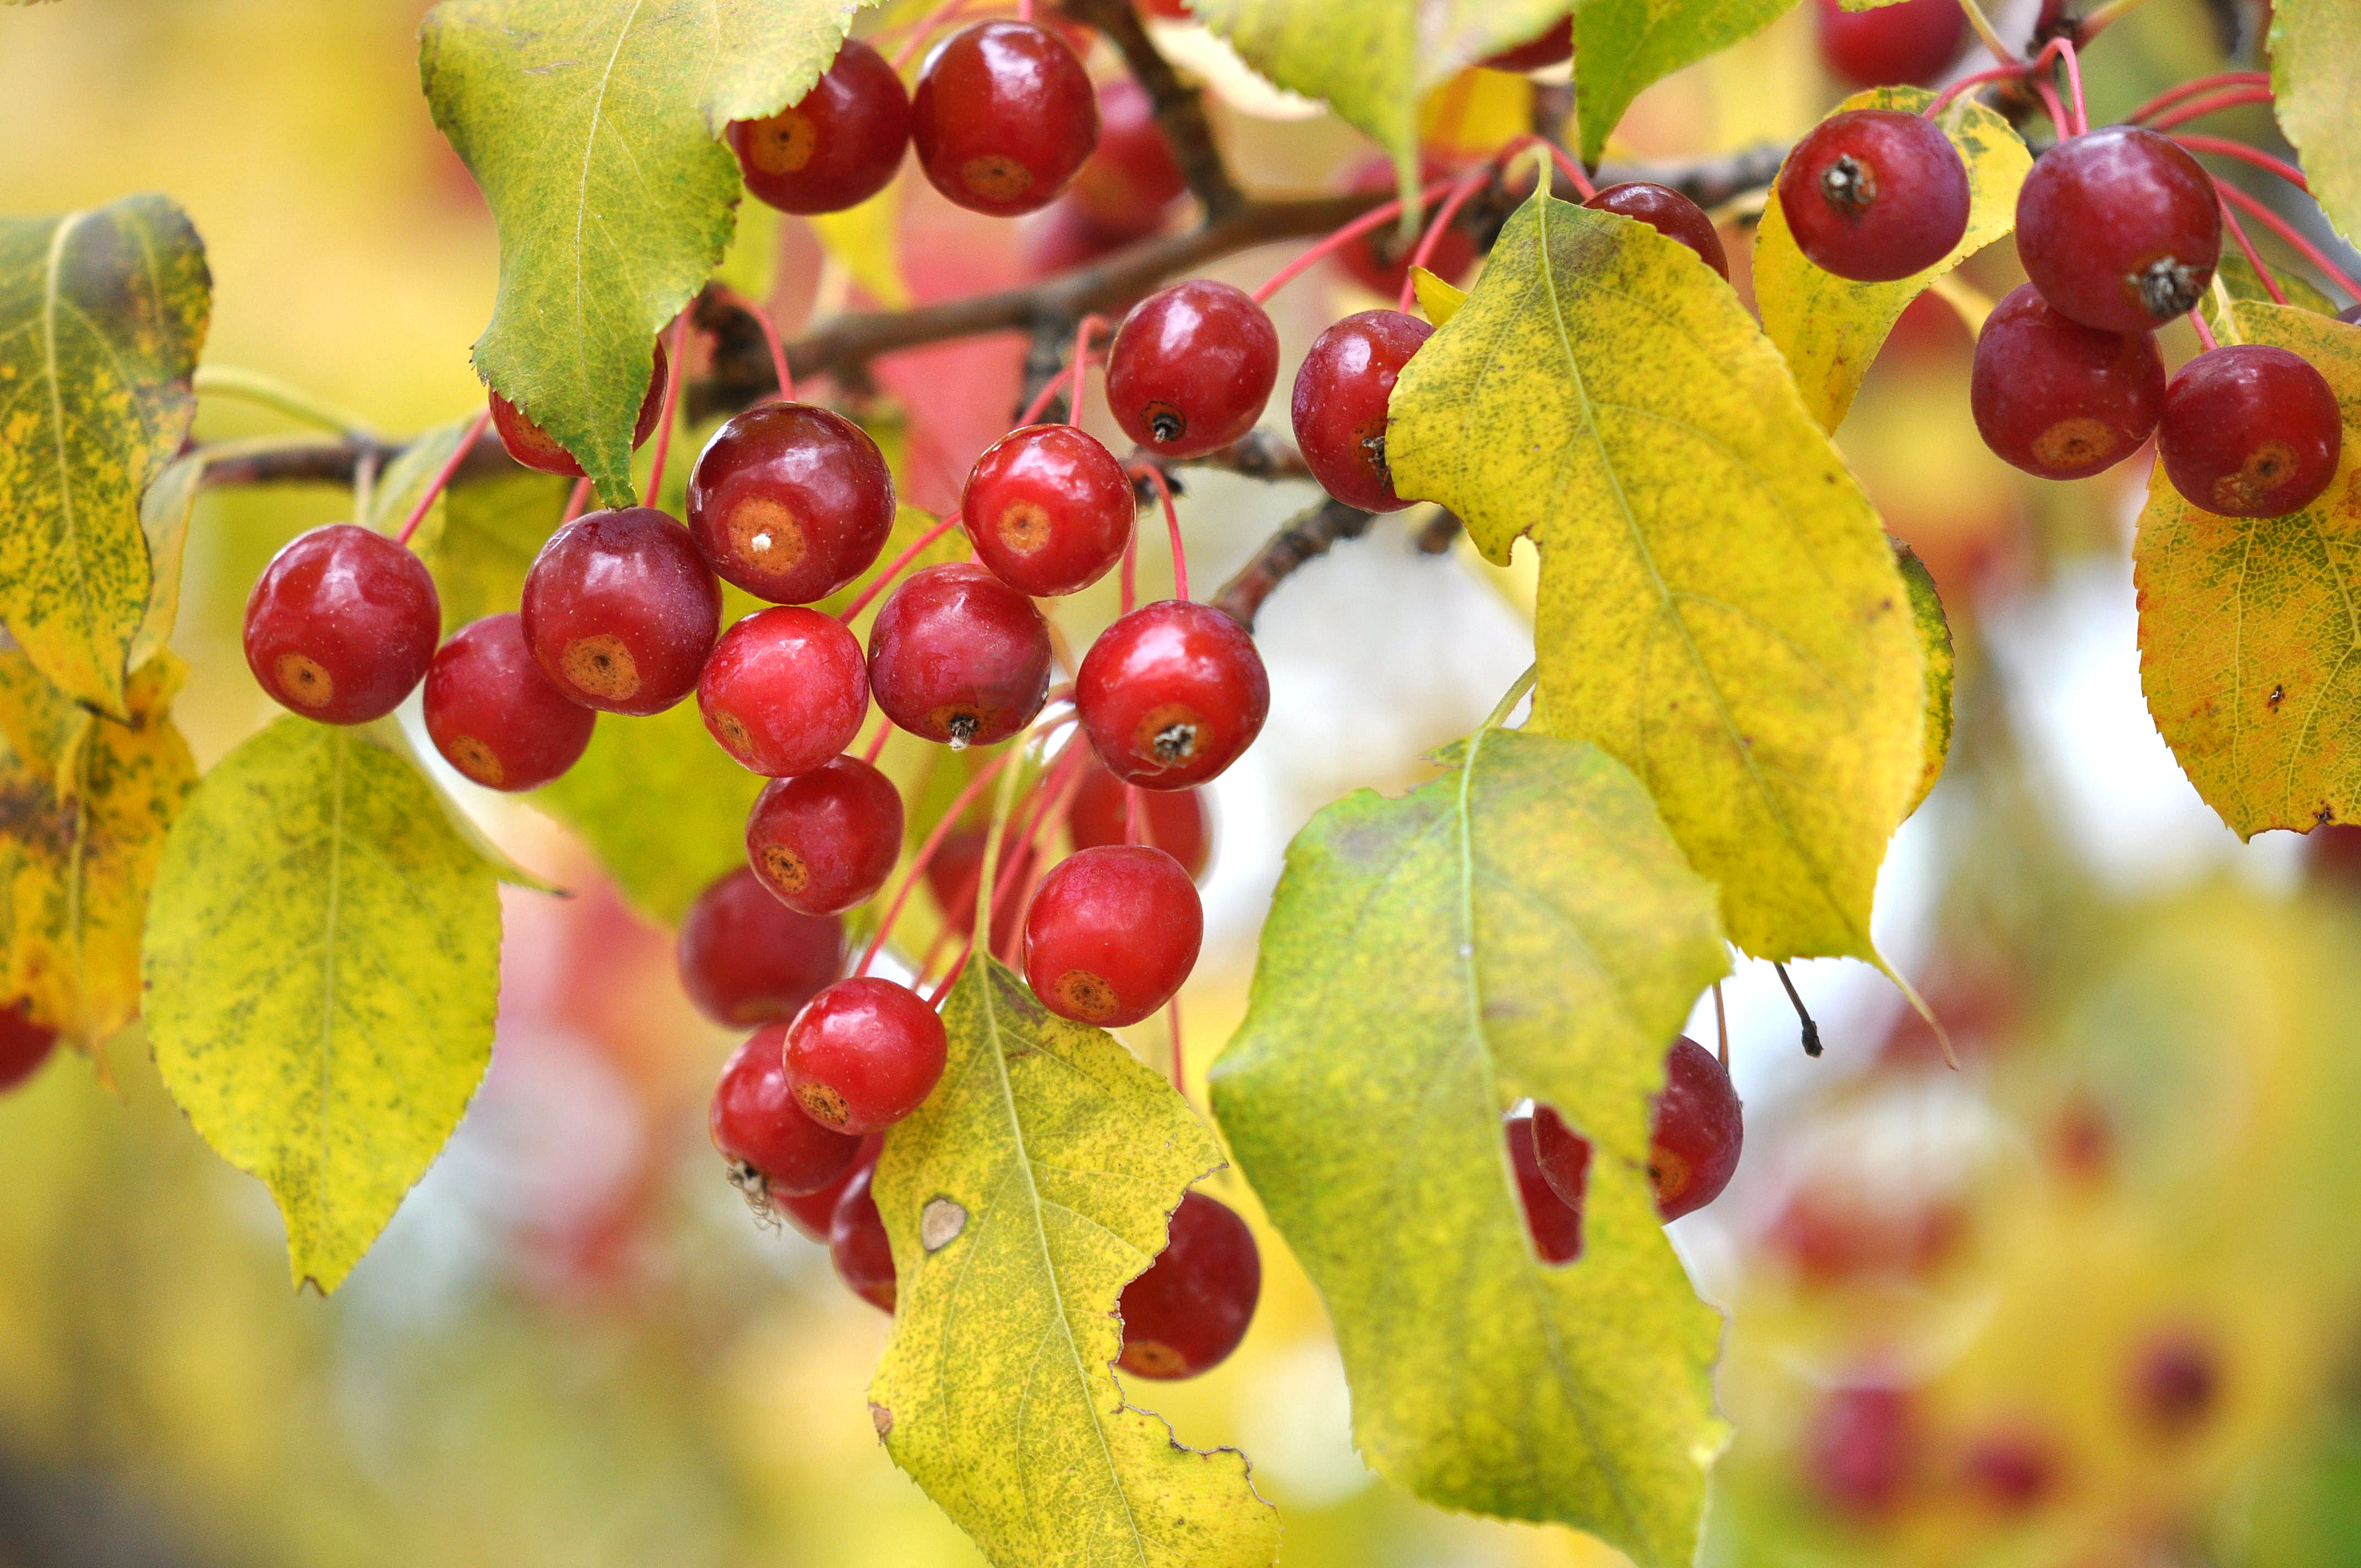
(671, 406)
(2244, 154)
(1134, 815)
(934, 841)
(959, 967)
(925, 29)
(2204, 333)
(1171, 527)
(578, 502)
(876, 747)
(1081, 365)
(895, 567)
(1942, 100)
(2195, 86)
(1440, 225)
(2065, 48)
(2197, 109)
(2254, 258)
(1321, 249)
(1130, 597)
(2060, 46)
(2288, 232)
(442, 476)
(2051, 106)
(778, 345)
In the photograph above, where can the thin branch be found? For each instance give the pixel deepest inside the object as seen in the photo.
(1180, 109)
(1307, 538)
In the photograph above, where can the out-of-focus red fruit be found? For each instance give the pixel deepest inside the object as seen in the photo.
(1828, 1237)
(24, 1045)
(1861, 1450)
(1552, 47)
(951, 878)
(1130, 180)
(2012, 1470)
(1379, 260)
(1908, 45)
(2175, 1383)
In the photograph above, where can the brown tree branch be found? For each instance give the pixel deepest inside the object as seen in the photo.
(1307, 538)
(1180, 109)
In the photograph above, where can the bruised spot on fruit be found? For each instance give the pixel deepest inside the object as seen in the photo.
(763, 533)
(882, 1419)
(1024, 526)
(476, 759)
(1849, 185)
(940, 1222)
(996, 177)
(734, 733)
(2265, 470)
(303, 681)
(1154, 1359)
(785, 868)
(1670, 1174)
(954, 723)
(1082, 991)
(2167, 286)
(784, 143)
(601, 666)
(1169, 732)
(1164, 421)
(2075, 443)
(822, 1104)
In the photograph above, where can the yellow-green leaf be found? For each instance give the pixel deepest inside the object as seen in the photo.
(2246, 627)
(866, 241)
(395, 492)
(164, 513)
(1439, 300)
(1830, 327)
(322, 964)
(2316, 80)
(1622, 47)
(1934, 629)
(85, 802)
(2234, 278)
(1522, 926)
(591, 126)
(102, 315)
(1719, 608)
(1020, 1198)
(480, 539)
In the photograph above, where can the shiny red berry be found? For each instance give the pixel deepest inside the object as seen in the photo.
(1910, 44)
(1555, 47)
(1342, 392)
(1111, 935)
(1554, 1225)
(1173, 820)
(494, 716)
(785, 690)
(1171, 694)
(1874, 194)
(1048, 510)
(835, 146)
(1670, 214)
(958, 656)
(1191, 1307)
(2120, 229)
(813, 1212)
(1003, 117)
(1190, 368)
(620, 610)
(863, 1054)
(342, 624)
(826, 841)
(1696, 1133)
(858, 1245)
(790, 502)
(1128, 185)
(770, 1144)
(1380, 259)
(746, 958)
(2250, 431)
(24, 1045)
(536, 448)
(2060, 399)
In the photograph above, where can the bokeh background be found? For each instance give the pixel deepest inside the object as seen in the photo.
(2088, 1301)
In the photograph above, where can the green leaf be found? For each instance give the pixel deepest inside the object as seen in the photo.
(1020, 1198)
(2247, 623)
(1622, 47)
(1719, 608)
(1522, 926)
(2236, 278)
(84, 805)
(1934, 629)
(102, 315)
(2316, 80)
(1831, 328)
(322, 964)
(591, 126)
(481, 537)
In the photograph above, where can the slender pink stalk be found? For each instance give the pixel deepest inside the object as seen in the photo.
(876, 747)
(1942, 100)
(1081, 365)
(578, 502)
(895, 567)
(1134, 815)
(778, 345)
(2197, 109)
(1130, 599)
(959, 967)
(2065, 48)
(1171, 528)
(2197, 84)
(671, 406)
(2288, 232)
(2051, 106)
(1179, 1073)
(1373, 218)
(2204, 333)
(1469, 185)
(934, 841)
(2254, 258)
(442, 476)
(2244, 154)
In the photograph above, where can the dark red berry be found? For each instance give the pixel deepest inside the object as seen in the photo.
(1693, 1141)
(1048, 510)
(342, 624)
(1874, 194)
(1380, 259)
(494, 716)
(1171, 694)
(863, 1054)
(1562, 1154)
(1342, 392)
(953, 876)
(958, 656)
(1670, 214)
(1190, 1309)
(790, 502)
(785, 690)
(1190, 368)
(2176, 1382)
(813, 1212)
(2119, 229)
(858, 1245)
(1128, 185)
(1554, 1225)
(24, 1045)
(1111, 934)
(1173, 819)
(1003, 117)
(1910, 44)
(770, 1144)
(834, 148)
(826, 841)
(2060, 399)
(1861, 1448)
(746, 958)
(620, 610)
(1552, 47)
(536, 448)
(2250, 431)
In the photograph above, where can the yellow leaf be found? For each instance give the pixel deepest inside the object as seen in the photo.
(85, 802)
(2246, 627)
(1439, 300)
(1831, 328)
(1719, 608)
(1020, 1198)
(867, 241)
(1934, 629)
(322, 964)
(1475, 113)
(2316, 79)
